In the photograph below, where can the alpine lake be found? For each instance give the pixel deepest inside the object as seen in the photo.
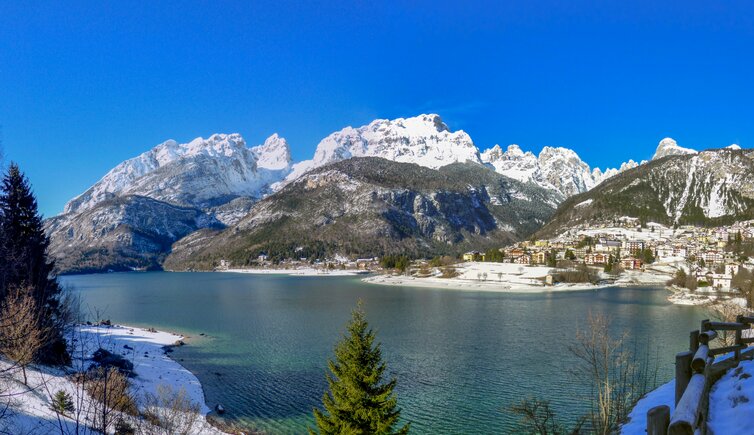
(259, 344)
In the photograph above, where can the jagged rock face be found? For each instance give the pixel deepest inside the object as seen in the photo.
(558, 169)
(373, 206)
(201, 173)
(147, 203)
(669, 147)
(274, 154)
(121, 233)
(712, 187)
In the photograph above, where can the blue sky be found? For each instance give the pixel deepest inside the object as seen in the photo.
(85, 85)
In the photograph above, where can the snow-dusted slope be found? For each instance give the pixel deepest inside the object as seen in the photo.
(707, 188)
(558, 169)
(424, 140)
(200, 173)
(131, 217)
(669, 147)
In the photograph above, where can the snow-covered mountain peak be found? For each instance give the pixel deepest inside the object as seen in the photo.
(734, 147)
(669, 147)
(199, 173)
(553, 153)
(274, 154)
(424, 140)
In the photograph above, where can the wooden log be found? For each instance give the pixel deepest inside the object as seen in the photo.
(658, 419)
(707, 336)
(705, 325)
(682, 373)
(747, 340)
(747, 319)
(726, 349)
(684, 419)
(727, 326)
(694, 341)
(699, 362)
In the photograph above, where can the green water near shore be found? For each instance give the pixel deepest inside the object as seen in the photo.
(461, 358)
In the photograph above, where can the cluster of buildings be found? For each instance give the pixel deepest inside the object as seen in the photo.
(701, 250)
(343, 263)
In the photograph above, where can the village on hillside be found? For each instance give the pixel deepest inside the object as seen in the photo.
(712, 255)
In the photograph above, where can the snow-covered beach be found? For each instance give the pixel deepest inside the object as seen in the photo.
(511, 278)
(31, 411)
(304, 271)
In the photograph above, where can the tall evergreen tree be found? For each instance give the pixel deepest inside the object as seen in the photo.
(23, 258)
(359, 400)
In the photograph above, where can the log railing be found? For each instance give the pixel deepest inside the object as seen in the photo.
(695, 372)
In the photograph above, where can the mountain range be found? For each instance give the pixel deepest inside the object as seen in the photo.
(175, 195)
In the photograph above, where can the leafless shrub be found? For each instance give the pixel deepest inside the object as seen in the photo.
(22, 334)
(110, 389)
(536, 417)
(618, 375)
(449, 272)
(580, 274)
(725, 312)
(170, 412)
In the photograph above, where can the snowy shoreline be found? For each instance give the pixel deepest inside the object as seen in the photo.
(469, 285)
(511, 278)
(306, 271)
(152, 367)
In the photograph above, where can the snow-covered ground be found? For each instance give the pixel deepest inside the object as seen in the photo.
(731, 403)
(486, 276)
(662, 395)
(31, 412)
(303, 271)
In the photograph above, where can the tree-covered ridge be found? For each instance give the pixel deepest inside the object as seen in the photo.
(375, 207)
(712, 188)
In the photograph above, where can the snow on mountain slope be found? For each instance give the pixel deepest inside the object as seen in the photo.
(424, 140)
(200, 173)
(558, 169)
(274, 154)
(669, 147)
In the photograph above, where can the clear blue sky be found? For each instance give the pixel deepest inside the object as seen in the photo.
(85, 85)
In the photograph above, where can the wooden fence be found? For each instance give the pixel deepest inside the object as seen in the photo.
(695, 372)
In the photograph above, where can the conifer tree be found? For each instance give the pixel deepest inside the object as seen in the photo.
(23, 258)
(62, 403)
(359, 400)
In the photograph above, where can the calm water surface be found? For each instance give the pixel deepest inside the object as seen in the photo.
(461, 358)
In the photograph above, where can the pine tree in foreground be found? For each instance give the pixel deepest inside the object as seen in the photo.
(359, 400)
(24, 262)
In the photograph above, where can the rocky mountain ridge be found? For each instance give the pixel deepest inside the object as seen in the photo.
(220, 179)
(711, 187)
(367, 206)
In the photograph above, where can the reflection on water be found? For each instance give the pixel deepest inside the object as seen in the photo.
(461, 358)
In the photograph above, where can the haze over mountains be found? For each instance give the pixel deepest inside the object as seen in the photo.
(132, 217)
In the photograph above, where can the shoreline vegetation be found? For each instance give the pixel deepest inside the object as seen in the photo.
(155, 385)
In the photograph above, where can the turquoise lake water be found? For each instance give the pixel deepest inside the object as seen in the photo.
(461, 358)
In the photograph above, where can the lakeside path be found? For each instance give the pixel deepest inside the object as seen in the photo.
(31, 412)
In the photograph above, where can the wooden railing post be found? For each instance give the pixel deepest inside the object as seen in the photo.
(682, 373)
(705, 325)
(739, 336)
(694, 341)
(658, 419)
